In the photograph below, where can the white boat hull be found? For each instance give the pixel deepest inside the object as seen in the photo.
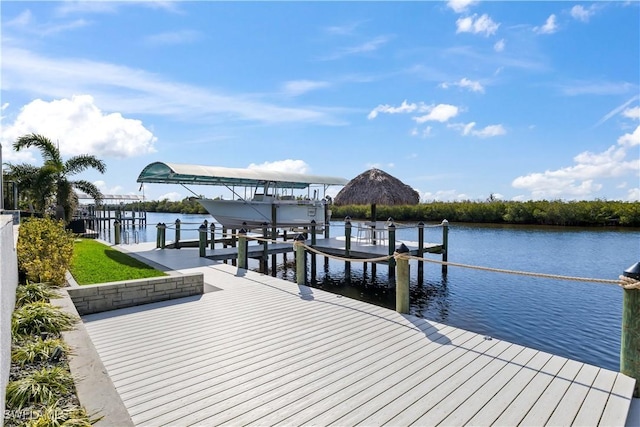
(236, 214)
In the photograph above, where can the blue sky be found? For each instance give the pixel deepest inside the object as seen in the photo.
(458, 99)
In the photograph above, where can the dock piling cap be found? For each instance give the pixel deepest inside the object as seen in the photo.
(633, 271)
(402, 249)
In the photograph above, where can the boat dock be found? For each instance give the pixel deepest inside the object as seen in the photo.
(258, 350)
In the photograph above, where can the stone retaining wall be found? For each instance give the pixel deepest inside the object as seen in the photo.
(90, 299)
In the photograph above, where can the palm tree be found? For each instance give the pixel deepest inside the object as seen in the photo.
(43, 185)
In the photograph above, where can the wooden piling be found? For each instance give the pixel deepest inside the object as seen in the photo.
(301, 265)
(203, 240)
(420, 253)
(242, 249)
(402, 281)
(630, 341)
(177, 242)
(445, 244)
(347, 247)
(392, 243)
(264, 267)
(158, 233)
(213, 235)
(116, 227)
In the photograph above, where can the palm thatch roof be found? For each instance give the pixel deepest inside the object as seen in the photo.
(376, 187)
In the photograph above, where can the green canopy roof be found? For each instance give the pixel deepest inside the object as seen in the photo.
(176, 173)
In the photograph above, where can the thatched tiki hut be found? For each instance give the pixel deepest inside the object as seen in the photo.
(376, 187)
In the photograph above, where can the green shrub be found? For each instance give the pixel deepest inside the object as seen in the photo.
(42, 386)
(38, 318)
(44, 250)
(34, 292)
(36, 350)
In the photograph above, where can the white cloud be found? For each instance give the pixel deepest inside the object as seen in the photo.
(633, 195)
(486, 132)
(579, 13)
(105, 189)
(579, 180)
(460, 6)
(630, 139)
(499, 46)
(299, 87)
(626, 113)
(172, 38)
(366, 47)
(482, 25)
(405, 107)
(288, 165)
(80, 127)
(473, 86)
(171, 196)
(425, 133)
(442, 196)
(439, 113)
(135, 91)
(632, 113)
(549, 26)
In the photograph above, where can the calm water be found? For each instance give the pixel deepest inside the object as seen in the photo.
(572, 319)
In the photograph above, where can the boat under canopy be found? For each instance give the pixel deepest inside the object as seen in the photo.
(272, 201)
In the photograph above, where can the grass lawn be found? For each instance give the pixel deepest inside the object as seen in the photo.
(94, 262)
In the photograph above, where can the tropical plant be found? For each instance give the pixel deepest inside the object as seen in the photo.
(40, 386)
(33, 292)
(51, 183)
(44, 250)
(57, 415)
(37, 350)
(40, 318)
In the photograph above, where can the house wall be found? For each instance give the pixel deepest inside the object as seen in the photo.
(8, 284)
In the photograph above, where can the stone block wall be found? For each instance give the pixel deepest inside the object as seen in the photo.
(90, 299)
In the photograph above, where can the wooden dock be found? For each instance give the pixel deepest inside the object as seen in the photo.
(263, 351)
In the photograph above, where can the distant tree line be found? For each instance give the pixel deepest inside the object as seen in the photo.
(540, 212)
(493, 211)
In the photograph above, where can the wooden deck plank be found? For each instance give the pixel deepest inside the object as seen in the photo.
(464, 412)
(494, 407)
(419, 400)
(263, 351)
(591, 409)
(518, 408)
(385, 404)
(439, 410)
(571, 402)
(326, 395)
(547, 403)
(619, 402)
(230, 384)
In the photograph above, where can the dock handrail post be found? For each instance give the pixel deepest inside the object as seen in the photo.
(264, 267)
(203, 240)
(177, 242)
(445, 244)
(242, 248)
(301, 265)
(116, 233)
(158, 234)
(392, 242)
(213, 235)
(630, 340)
(313, 231)
(347, 236)
(163, 235)
(402, 281)
(420, 249)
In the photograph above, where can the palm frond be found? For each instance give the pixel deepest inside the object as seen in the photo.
(83, 162)
(47, 149)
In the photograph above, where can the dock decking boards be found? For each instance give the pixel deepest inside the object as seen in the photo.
(264, 351)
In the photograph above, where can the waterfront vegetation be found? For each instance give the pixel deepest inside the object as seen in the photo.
(94, 262)
(540, 212)
(41, 389)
